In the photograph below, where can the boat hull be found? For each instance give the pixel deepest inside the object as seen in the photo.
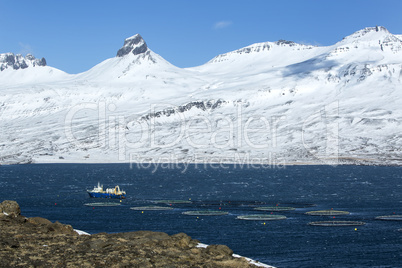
(106, 195)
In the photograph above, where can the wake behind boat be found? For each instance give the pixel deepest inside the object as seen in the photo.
(115, 192)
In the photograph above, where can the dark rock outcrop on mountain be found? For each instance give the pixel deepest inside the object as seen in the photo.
(285, 42)
(37, 242)
(134, 44)
(202, 105)
(16, 62)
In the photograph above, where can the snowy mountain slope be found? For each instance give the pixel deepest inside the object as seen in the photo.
(143, 71)
(132, 60)
(266, 55)
(269, 103)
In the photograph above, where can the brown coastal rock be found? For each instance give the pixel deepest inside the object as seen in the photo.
(37, 242)
(10, 208)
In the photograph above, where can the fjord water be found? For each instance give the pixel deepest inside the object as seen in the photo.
(58, 192)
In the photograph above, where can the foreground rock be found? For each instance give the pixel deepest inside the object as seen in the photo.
(37, 242)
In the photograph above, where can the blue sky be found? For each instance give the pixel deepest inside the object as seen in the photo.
(76, 35)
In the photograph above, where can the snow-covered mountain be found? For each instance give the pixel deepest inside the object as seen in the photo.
(9, 60)
(30, 70)
(269, 103)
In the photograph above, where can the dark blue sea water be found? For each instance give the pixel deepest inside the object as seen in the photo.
(57, 192)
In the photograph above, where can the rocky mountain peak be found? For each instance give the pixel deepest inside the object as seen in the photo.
(282, 42)
(134, 44)
(377, 36)
(368, 34)
(16, 62)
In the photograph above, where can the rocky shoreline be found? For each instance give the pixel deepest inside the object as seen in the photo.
(37, 242)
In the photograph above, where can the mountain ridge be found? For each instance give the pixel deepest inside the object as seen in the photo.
(137, 45)
(277, 102)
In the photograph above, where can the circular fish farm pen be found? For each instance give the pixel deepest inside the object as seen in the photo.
(239, 203)
(298, 205)
(336, 223)
(172, 201)
(151, 208)
(328, 212)
(102, 204)
(205, 213)
(390, 218)
(274, 209)
(261, 217)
